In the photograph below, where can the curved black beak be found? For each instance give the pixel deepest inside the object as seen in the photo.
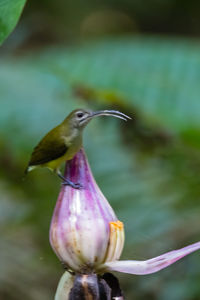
(113, 113)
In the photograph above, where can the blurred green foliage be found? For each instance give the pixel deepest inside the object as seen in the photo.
(9, 14)
(148, 168)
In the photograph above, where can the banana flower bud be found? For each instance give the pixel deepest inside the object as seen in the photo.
(88, 239)
(85, 232)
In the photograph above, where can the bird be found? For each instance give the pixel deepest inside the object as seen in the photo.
(62, 142)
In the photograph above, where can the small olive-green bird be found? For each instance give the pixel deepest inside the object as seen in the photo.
(65, 140)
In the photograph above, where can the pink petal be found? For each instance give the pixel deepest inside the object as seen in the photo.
(151, 265)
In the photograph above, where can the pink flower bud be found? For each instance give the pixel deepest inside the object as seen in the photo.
(84, 232)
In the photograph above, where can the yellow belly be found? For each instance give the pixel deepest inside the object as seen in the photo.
(55, 164)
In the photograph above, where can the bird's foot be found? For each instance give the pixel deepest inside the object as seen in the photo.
(72, 184)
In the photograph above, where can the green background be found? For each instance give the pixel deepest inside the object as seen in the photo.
(141, 58)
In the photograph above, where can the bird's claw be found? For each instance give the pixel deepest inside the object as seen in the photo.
(78, 186)
(72, 184)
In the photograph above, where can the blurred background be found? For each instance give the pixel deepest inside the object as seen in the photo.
(140, 57)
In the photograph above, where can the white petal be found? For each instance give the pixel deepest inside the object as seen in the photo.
(64, 286)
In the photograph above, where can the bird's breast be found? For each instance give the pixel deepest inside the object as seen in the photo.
(73, 145)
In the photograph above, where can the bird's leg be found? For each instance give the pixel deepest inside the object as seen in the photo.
(66, 181)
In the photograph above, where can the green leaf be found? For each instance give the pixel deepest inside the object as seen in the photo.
(10, 11)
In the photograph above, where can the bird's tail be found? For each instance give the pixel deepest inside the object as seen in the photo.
(28, 169)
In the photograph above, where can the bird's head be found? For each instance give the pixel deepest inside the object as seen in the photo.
(79, 118)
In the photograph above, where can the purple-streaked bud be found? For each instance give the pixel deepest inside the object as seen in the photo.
(85, 232)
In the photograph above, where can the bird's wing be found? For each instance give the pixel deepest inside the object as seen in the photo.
(47, 151)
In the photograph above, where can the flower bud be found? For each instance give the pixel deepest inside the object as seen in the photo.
(84, 231)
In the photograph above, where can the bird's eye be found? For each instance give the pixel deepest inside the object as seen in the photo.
(80, 115)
